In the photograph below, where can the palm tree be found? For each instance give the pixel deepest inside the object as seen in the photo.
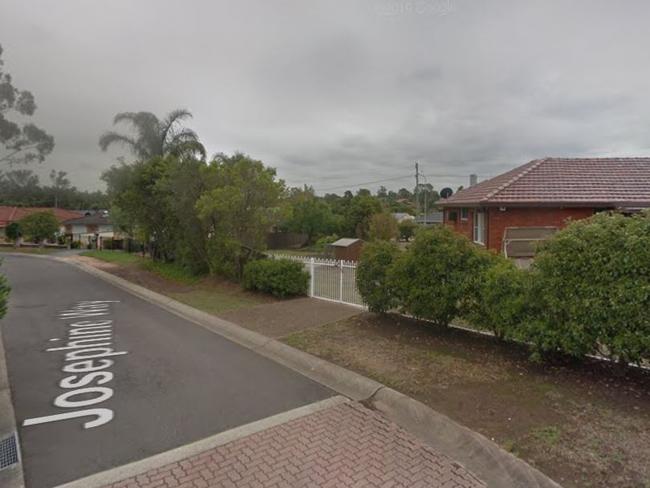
(154, 137)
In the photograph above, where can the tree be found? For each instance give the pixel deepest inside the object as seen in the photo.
(383, 227)
(237, 210)
(360, 209)
(60, 184)
(154, 137)
(311, 215)
(12, 232)
(39, 226)
(23, 142)
(407, 229)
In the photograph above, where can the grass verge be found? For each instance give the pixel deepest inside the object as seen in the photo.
(205, 293)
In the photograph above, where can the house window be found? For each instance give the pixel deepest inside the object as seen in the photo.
(464, 213)
(479, 227)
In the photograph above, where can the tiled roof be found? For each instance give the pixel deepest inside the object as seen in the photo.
(564, 181)
(94, 219)
(13, 214)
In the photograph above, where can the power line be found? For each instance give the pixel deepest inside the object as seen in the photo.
(352, 185)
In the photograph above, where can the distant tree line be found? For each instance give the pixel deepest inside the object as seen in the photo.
(22, 187)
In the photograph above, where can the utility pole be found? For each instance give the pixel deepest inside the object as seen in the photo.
(417, 189)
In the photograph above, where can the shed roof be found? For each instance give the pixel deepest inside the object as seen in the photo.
(564, 181)
(345, 242)
(94, 219)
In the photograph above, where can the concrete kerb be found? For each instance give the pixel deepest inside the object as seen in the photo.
(498, 468)
(12, 476)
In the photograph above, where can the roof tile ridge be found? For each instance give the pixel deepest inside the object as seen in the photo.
(536, 163)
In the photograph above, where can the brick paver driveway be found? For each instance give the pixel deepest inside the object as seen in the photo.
(346, 445)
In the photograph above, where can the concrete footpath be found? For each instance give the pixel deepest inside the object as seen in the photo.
(491, 464)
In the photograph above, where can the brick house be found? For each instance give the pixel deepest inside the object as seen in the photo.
(9, 215)
(512, 211)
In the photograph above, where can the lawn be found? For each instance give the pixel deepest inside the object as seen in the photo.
(205, 293)
(583, 425)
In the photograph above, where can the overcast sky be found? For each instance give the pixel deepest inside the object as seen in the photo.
(336, 93)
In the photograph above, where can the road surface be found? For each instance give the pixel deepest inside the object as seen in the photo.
(101, 378)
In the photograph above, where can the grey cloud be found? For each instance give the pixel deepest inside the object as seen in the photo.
(342, 92)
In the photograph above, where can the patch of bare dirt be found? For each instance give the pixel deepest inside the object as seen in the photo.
(582, 424)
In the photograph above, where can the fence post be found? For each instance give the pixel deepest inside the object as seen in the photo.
(341, 281)
(311, 277)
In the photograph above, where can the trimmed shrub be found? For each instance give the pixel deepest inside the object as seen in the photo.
(279, 277)
(436, 273)
(499, 302)
(4, 295)
(592, 289)
(372, 275)
(12, 232)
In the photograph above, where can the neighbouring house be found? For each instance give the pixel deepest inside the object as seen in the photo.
(511, 212)
(90, 230)
(346, 249)
(9, 215)
(434, 217)
(402, 216)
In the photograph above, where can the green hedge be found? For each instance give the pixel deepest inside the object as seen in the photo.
(591, 290)
(433, 277)
(279, 277)
(588, 291)
(372, 275)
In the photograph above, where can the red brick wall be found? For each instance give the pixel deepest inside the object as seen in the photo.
(498, 220)
(465, 227)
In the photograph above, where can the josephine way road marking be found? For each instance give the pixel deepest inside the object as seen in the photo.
(86, 354)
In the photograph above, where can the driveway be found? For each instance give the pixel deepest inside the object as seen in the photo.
(101, 378)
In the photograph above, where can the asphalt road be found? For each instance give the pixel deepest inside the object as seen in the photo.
(177, 382)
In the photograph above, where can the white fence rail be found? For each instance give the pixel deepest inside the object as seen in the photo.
(330, 279)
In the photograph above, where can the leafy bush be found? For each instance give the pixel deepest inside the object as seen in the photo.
(436, 274)
(4, 295)
(372, 275)
(592, 289)
(279, 277)
(12, 231)
(322, 243)
(499, 299)
(39, 226)
(75, 245)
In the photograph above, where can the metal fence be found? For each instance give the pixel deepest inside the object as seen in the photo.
(330, 279)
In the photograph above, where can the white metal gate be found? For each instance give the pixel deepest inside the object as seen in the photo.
(330, 279)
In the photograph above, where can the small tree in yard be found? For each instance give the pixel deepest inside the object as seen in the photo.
(407, 229)
(383, 227)
(436, 273)
(12, 232)
(39, 226)
(372, 275)
(592, 289)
